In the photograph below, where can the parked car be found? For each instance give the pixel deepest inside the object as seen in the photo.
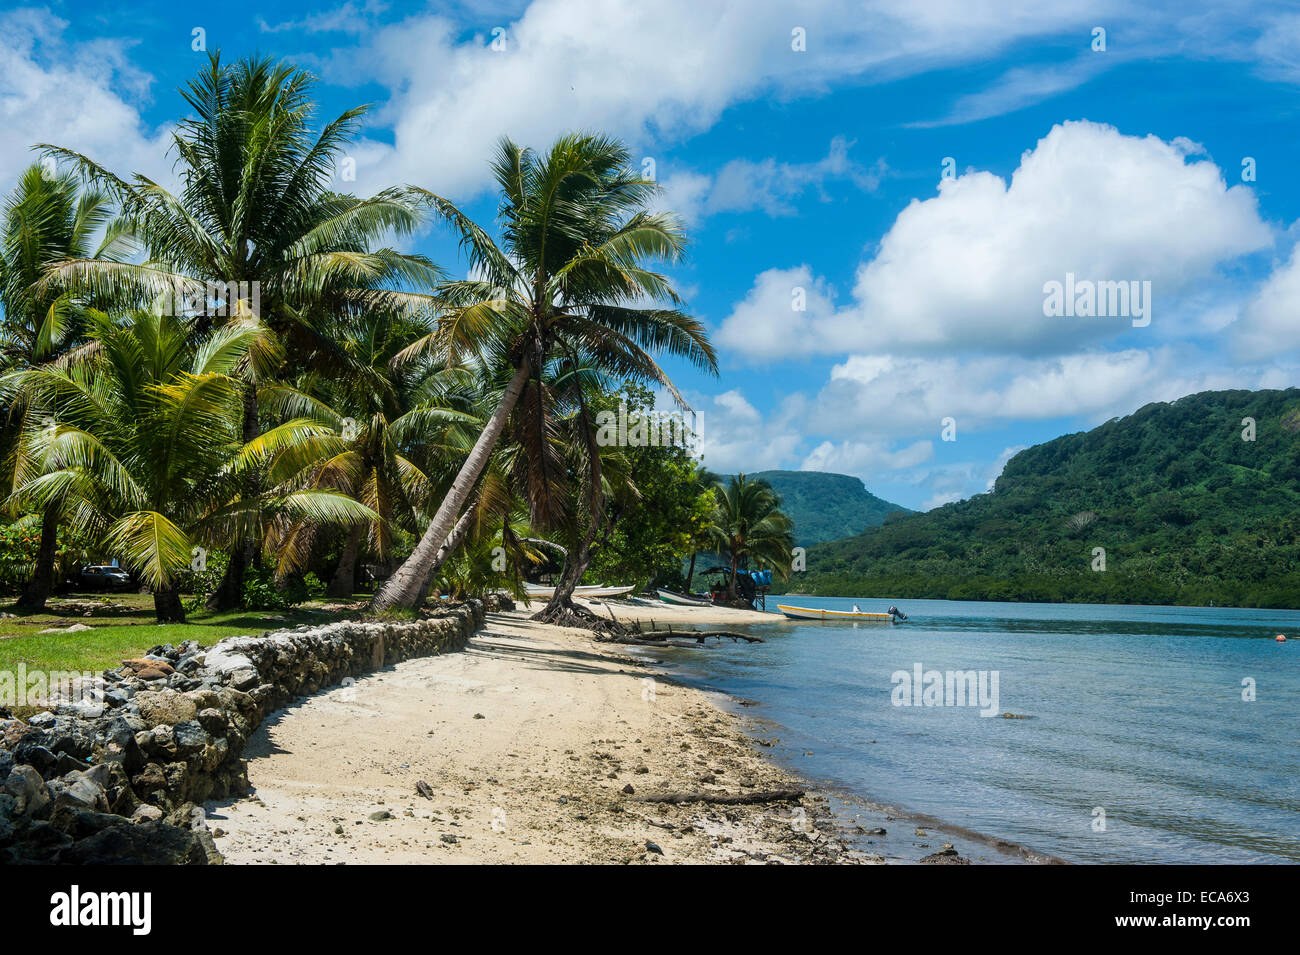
(103, 577)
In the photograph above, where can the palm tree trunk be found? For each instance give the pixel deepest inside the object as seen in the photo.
(690, 574)
(731, 584)
(344, 581)
(42, 582)
(448, 547)
(405, 588)
(243, 556)
(167, 606)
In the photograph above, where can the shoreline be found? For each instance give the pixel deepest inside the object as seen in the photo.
(857, 816)
(527, 741)
(534, 744)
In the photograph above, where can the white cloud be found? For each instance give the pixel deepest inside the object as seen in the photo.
(782, 311)
(883, 396)
(84, 96)
(665, 70)
(742, 185)
(866, 458)
(1270, 321)
(966, 269)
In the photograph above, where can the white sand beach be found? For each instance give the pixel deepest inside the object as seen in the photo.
(536, 744)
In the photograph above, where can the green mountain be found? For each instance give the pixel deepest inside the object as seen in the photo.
(1189, 502)
(826, 506)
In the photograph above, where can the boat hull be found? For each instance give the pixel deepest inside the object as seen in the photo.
(591, 590)
(813, 613)
(683, 600)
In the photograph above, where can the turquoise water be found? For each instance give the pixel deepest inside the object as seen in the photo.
(1136, 710)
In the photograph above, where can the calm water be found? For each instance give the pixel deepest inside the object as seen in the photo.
(1137, 710)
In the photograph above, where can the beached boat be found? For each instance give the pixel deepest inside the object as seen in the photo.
(591, 590)
(854, 616)
(683, 600)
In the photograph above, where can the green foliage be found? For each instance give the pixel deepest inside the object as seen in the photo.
(657, 526)
(749, 528)
(827, 506)
(1187, 511)
(263, 592)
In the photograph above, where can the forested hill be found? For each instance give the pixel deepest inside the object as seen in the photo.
(826, 506)
(1186, 509)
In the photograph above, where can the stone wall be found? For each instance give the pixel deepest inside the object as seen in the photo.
(115, 775)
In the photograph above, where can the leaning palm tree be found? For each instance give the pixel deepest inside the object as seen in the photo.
(570, 274)
(749, 528)
(147, 434)
(256, 228)
(47, 220)
(387, 425)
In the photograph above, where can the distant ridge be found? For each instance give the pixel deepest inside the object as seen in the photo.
(1191, 502)
(826, 506)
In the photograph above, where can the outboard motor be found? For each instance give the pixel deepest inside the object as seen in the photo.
(895, 612)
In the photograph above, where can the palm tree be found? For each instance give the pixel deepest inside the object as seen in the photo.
(392, 426)
(749, 528)
(256, 228)
(47, 220)
(147, 440)
(567, 277)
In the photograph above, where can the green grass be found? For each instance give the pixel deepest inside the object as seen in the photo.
(120, 635)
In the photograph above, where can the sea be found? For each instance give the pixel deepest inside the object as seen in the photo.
(1081, 732)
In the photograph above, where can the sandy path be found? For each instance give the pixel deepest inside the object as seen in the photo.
(526, 740)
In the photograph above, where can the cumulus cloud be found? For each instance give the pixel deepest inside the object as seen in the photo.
(664, 71)
(83, 95)
(887, 395)
(967, 268)
(1268, 324)
(773, 187)
(866, 458)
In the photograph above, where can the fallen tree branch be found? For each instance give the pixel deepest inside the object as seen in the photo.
(725, 799)
(659, 638)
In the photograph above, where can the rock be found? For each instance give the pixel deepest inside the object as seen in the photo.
(213, 720)
(85, 790)
(165, 706)
(244, 679)
(424, 789)
(652, 847)
(629, 789)
(190, 737)
(146, 813)
(28, 789)
(155, 843)
(149, 663)
(947, 856)
(449, 838)
(381, 815)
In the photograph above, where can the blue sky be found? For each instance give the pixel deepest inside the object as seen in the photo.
(815, 174)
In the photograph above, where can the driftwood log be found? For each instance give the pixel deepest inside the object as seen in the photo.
(659, 638)
(725, 799)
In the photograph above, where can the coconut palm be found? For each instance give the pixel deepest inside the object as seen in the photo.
(47, 220)
(749, 528)
(392, 428)
(255, 227)
(146, 445)
(570, 274)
